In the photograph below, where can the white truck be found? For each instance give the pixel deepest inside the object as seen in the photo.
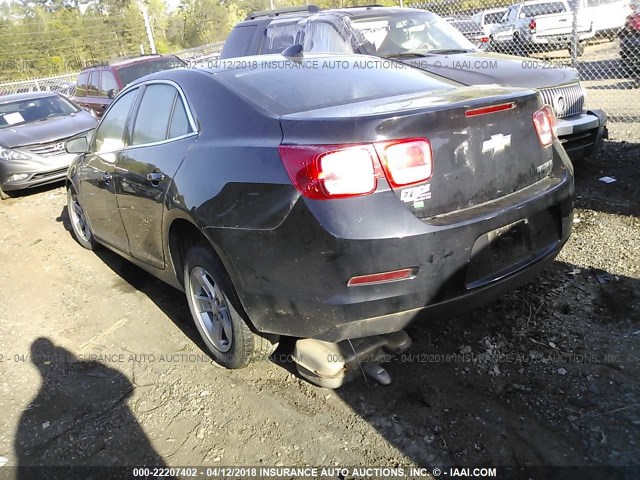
(607, 16)
(541, 25)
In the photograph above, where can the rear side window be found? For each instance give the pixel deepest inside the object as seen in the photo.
(161, 116)
(179, 122)
(238, 41)
(81, 89)
(284, 87)
(493, 17)
(110, 134)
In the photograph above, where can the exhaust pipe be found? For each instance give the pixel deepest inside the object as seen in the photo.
(331, 365)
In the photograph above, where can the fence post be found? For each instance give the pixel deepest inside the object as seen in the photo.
(575, 36)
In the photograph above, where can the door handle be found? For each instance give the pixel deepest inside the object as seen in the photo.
(155, 177)
(106, 178)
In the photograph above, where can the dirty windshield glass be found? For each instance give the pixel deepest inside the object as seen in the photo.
(402, 33)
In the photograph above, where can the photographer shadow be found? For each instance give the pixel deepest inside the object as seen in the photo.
(79, 418)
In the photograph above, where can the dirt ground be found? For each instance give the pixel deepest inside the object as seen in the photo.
(100, 365)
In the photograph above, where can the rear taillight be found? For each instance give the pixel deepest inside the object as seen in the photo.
(325, 172)
(532, 25)
(633, 22)
(331, 171)
(406, 162)
(545, 122)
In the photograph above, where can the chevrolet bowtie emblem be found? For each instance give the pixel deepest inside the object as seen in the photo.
(496, 143)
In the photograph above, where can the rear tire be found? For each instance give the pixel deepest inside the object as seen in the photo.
(579, 50)
(81, 228)
(214, 305)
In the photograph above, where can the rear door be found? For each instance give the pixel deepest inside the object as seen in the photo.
(97, 185)
(162, 133)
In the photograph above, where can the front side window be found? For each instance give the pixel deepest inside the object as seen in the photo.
(279, 37)
(108, 83)
(110, 134)
(323, 37)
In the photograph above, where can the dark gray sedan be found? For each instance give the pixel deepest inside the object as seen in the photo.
(33, 129)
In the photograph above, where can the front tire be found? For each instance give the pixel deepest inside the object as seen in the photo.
(212, 301)
(81, 229)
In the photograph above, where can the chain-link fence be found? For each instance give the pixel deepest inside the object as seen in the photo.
(66, 84)
(600, 38)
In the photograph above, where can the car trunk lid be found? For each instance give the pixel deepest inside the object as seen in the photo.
(479, 152)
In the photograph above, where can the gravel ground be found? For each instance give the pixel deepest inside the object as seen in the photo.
(100, 365)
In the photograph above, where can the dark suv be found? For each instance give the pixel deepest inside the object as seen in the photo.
(426, 41)
(98, 85)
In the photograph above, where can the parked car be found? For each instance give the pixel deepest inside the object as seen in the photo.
(540, 25)
(630, 45)
(488, 19)
(424, 40)
(33, 128)
(607, 16)
(472, 32)
(333, 216)
(97, 86)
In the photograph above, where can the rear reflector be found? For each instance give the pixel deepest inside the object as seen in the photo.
(407, 162)
(377, 278)
(545, 122)
(474, 112)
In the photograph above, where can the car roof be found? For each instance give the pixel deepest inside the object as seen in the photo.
(26, 96)
(354, 12)
(121, 62)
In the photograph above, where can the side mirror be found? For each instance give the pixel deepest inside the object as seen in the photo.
(522, 15)
(77, 145)
(112, 93)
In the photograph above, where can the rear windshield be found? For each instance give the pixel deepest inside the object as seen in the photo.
(134, 71)
(283, 86)
(34, 110)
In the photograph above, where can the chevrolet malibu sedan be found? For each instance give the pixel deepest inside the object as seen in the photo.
(283, 207)
(33, 129)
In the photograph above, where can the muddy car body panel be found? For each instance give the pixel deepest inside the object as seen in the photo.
(357, 30)
(300, 257)
(33, 129)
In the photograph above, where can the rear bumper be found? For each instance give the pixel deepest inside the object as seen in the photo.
(582, 135)
(294, 281)
(630, 55)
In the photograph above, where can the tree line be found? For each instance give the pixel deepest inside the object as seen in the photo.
(50, 37)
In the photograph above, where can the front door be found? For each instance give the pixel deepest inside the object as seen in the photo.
(97, 172)
(161, 136)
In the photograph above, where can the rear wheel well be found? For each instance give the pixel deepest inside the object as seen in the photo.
(183, 236)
